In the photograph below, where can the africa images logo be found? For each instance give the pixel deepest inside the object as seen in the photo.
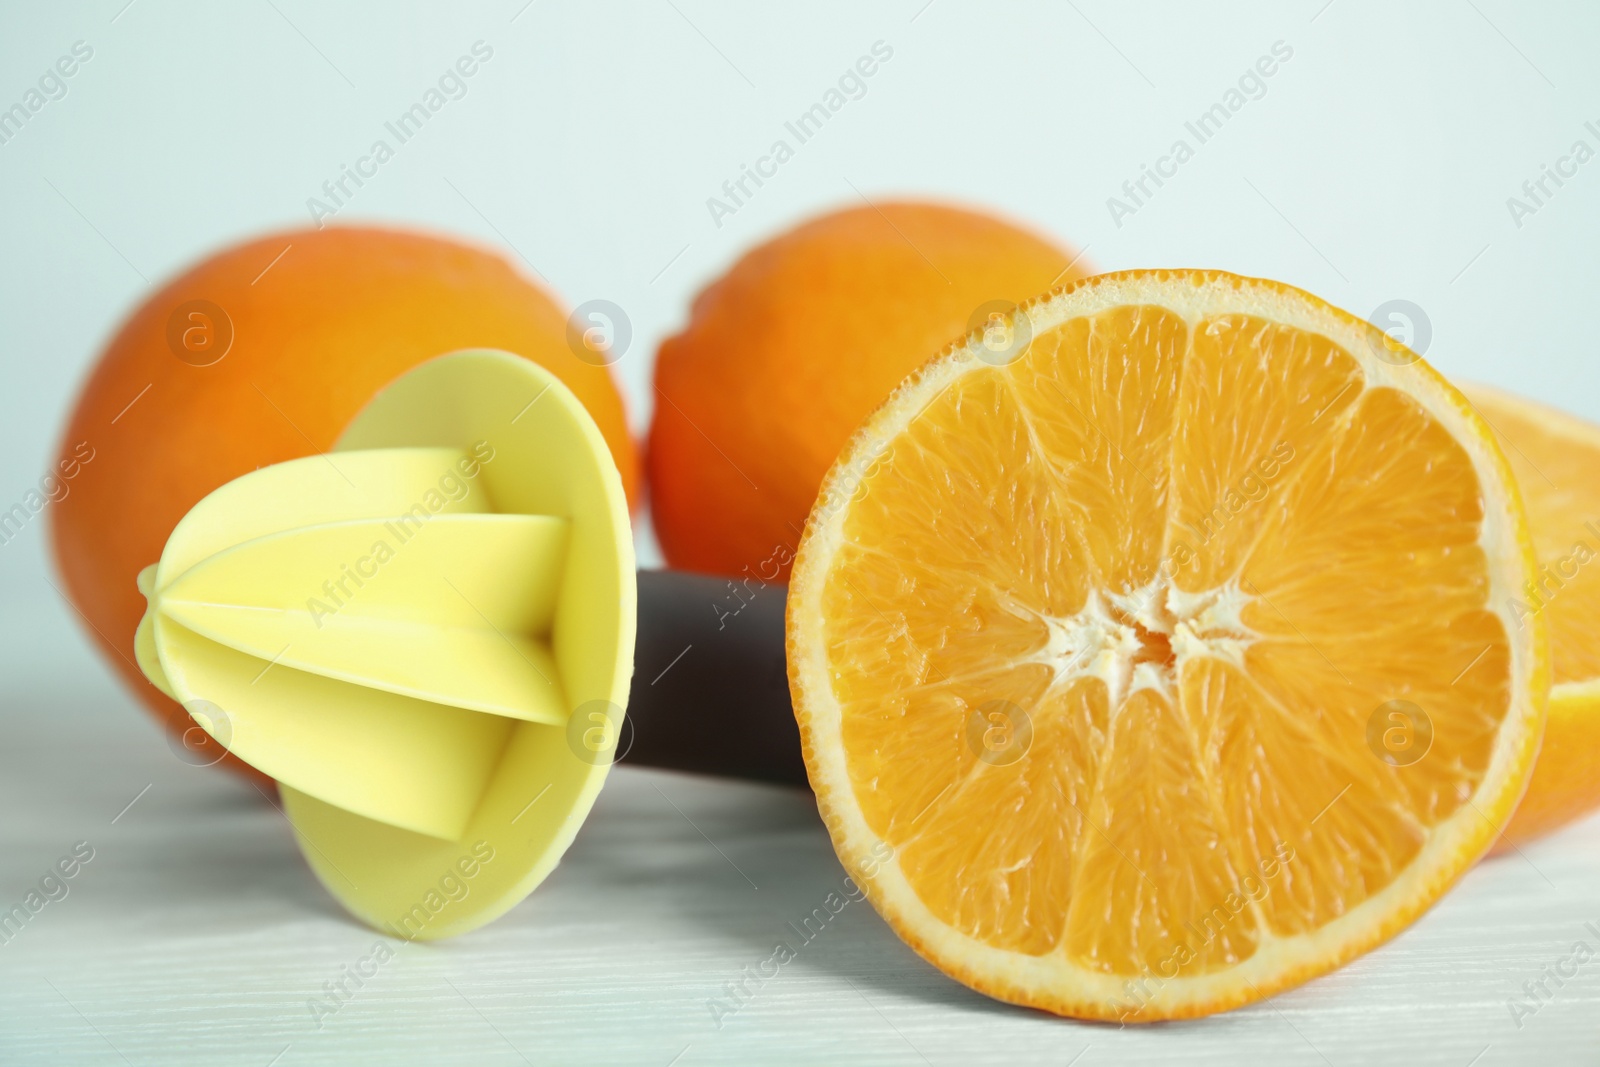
(337, 591)
(52, 85)
(851, 85)
(1251, 85)
(451, 85)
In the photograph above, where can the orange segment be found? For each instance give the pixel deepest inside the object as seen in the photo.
(1168, 656)
(1554, 457)
(1219, 476)
(1156, 852)
(1098, 396)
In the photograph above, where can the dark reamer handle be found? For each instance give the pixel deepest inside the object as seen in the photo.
(710, 689)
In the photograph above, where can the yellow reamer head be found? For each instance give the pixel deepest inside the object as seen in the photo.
(425, 636)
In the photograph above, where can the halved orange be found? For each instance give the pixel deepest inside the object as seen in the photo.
(1556, 460)
(1151, 649)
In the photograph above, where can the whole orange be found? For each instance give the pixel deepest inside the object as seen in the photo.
(794, 346)
(262, 353)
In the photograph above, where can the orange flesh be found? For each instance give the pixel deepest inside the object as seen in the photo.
(1560, 486)
(1196, 562)
(1553, 457)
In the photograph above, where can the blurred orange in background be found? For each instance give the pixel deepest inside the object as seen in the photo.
(262, 353)
(795, 345)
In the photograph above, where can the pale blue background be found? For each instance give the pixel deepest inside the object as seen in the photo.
(1376, 167)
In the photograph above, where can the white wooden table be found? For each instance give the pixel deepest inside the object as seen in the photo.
(197, 935)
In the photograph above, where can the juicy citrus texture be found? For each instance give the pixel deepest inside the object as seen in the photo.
(1090, 639)
(1555, 458)
(320, 321)
(818, 324)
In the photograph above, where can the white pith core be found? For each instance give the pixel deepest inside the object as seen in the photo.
(1140, 639)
